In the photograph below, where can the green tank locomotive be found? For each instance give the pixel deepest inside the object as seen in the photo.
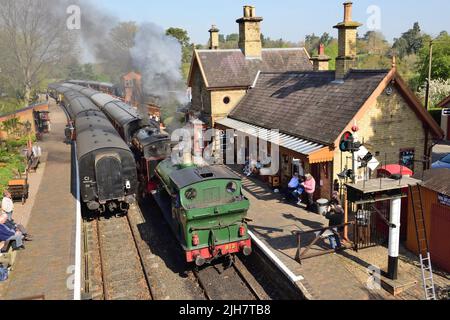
(206, 210)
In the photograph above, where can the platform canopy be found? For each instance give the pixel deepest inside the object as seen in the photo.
(316, 152)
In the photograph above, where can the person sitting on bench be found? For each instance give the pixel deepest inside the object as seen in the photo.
(8, 234)
(18, 227)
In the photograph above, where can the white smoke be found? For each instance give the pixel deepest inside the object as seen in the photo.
(158, 58)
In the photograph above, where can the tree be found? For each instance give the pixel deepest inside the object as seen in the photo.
(115, 51)
(180, 34)
(410, 42)
(312, 42)
(183, 38)
(34, 40)
(280, 43)
(440, 62)
(373, 43)
(439, 90)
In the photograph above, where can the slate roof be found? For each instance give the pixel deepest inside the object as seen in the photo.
(230, 68)
(307, 105)
(437, 180)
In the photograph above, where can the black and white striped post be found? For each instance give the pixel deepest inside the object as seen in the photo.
(394, 237)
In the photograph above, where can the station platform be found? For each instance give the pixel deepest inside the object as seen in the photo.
(341, 276)
(45, 269)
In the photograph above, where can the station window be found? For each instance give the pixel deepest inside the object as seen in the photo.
(226, 100)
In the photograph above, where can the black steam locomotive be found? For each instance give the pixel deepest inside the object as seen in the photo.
(108, 177)
(149, 145)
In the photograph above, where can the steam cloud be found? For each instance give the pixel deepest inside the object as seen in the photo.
(158, 57)
(155, 55)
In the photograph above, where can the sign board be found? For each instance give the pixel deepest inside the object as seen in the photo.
(444, 200)
(372, 164)
(446, 112)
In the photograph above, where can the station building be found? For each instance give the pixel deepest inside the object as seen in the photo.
(35, 116)
(312, 109)
(220, 78)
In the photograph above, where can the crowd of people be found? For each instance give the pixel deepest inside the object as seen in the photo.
(10, 231)
(301, 189)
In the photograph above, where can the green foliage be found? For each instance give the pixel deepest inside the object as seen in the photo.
(280, 43)
(312, 42)
(411, 42)
(229, 41)
(440, 63)
(9, 105)
(78, 71)
(183, 38)
(332, 50)
(11, 161)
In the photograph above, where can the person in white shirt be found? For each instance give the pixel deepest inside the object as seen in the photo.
(7, 204)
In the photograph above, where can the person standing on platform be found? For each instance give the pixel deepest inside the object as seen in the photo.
(310, 188)
(336, 216)
(7, 204)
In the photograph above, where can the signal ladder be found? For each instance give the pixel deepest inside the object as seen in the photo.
(422, 240)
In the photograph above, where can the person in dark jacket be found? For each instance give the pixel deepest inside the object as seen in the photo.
(8, 234)
(18, 227)
(336, 217)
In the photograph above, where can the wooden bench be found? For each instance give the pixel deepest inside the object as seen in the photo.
(19, 189)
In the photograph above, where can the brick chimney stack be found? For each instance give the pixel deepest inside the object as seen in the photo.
(214, 38)
(250, 33)
(346, 59)
(321, 60)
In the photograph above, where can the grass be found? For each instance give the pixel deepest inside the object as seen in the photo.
(11, 161)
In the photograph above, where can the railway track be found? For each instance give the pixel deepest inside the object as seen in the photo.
(136, 258)
(233, 282)
(114, 269)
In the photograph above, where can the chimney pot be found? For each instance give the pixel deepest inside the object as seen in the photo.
(321, 49)
(348, 11)
(247, 11)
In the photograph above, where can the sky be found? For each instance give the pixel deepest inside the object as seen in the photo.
(287, 19)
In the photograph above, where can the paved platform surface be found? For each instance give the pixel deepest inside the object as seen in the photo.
(43, 269)
(341, 276)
